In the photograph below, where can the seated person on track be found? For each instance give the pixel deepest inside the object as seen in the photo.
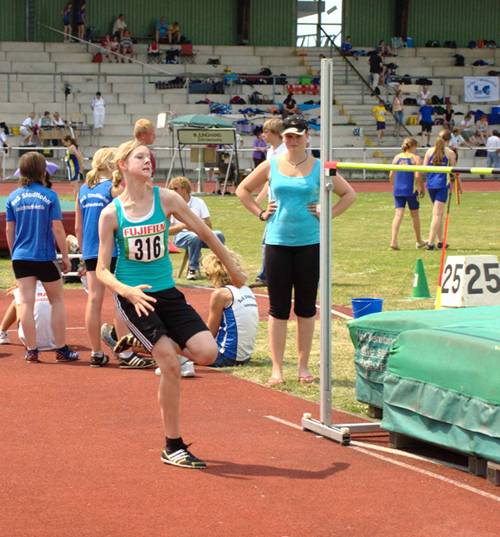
(233, 315)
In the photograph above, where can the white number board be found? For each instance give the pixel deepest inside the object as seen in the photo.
(472, 280)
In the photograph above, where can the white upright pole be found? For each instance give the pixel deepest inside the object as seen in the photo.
(325, 257)
(323, 426)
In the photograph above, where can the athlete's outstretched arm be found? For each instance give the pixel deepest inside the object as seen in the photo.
(172, 203)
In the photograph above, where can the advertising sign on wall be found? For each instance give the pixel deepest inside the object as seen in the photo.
(481, 89)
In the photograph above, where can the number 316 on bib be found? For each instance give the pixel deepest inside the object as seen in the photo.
(472, 280)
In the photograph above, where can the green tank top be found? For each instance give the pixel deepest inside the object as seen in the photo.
(142, 246)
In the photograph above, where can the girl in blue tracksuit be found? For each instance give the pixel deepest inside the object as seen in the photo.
(406, 187)
(34, 227)
(437, 185)
(97, 192)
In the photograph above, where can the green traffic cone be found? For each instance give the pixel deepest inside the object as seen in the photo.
(420, 287)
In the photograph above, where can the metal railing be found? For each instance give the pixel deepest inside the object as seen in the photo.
(203, 170)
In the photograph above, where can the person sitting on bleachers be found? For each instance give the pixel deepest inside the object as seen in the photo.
(346, 46)
(119, 26)
(45, 121)
(174, 33)
(482, 129)
(57, 120)
(384, 50)
(154, 52)
(126, 46)
(289, 106)
(183, 238)
(161, 30)
(106, 47)
(114, 49)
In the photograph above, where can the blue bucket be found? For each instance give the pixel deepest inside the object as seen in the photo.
(365, 306)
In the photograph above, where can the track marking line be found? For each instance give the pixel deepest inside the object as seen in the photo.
(356, 446)
(406, 454)
(428, 473)
(284, 422)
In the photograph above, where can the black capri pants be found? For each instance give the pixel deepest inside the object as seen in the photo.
(292, 267)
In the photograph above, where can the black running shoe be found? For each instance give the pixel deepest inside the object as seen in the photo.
(430, 247)
(98, 360)
(129, 342)
(65, 354)
(440, 246)
(136, 362)
(184, 458)
(31, 356)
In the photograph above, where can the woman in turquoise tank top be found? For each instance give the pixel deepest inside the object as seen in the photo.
(292, 240)
(144, 290)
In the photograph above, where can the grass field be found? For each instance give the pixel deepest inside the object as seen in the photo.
(363, 266)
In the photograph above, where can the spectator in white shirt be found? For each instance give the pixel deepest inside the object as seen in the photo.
(4, 147)
(183, 238)
(272, 130)
(57, 120)
(27, 129)
(493, 150)
(119, 26)
(98, 106)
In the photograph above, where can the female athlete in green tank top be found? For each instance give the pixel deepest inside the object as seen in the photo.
(154, 310)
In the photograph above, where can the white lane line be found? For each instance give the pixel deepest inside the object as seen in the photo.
(284, 422)
(399, 453)
(356, 447)
(457, 484)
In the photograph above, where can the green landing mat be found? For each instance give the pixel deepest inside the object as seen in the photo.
(443, 386)
(373, 336)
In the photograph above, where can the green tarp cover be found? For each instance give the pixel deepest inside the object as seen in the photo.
(373, 336)
(443, 386)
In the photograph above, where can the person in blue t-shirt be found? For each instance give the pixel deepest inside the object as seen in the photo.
(426, 122)
(161, 30)
(97, 192)
(437, 185)
(292, 240)
(406, 188)
(34, 227)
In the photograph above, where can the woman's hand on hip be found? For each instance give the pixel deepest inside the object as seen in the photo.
(314, 209)
(270, 210)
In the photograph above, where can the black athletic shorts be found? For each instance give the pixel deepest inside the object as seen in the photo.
(173, 317)
(45, 271)
(91, 264)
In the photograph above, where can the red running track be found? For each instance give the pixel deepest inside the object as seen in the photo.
(81, 447)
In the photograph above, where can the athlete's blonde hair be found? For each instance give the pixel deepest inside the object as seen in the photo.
(103, 161)
(408, 142)
(439, 153)
(215, 271)
(122, 153)
(273, 125)
(142, 126)
(180, 182)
